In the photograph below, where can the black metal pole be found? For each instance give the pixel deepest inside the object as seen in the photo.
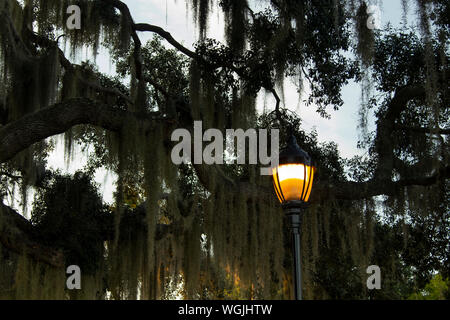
(294, 215)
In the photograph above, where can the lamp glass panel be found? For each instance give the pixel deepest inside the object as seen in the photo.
(276, 185)
(310, 183)
(292, 178)
(291, 171)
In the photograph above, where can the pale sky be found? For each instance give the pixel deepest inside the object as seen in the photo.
(174, 17)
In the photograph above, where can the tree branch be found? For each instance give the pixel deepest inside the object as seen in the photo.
(385, 128)
(166, 35)
(69, 67)
(32, 128)
(375, 187)
(123, 8)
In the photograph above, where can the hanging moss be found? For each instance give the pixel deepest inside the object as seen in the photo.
(201, 10)
(235, 23)
(191, 261)
(364, 35)
(194, 90)
(34, 281)
(125, 33)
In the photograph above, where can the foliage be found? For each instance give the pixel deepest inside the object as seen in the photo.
(436, 289)
(210, 232)
(68, 213)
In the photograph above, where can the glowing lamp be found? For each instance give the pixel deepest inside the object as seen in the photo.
(293, 177)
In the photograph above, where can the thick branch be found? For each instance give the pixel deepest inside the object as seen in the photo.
(32, 128)
(372, 188)
(123, 8)
(385, 128)
(166, 35)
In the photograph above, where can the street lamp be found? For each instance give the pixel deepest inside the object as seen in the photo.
(292, 180)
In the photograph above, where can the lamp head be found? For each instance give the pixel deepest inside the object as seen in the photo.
(293, 176)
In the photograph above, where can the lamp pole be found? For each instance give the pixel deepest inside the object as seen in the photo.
(294, 213)
(292, 180)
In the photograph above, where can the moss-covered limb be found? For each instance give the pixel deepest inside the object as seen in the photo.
(127, 30)
(19, 51)
(16, 234)
(322, 191)
(60, 117)
(69, 67)
(32, 128)
(385, 127)
(363, 190)
(167, 36)
(422, 167)
(200, 60)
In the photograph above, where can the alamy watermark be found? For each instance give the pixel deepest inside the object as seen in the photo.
(374, 280)
(74, 280)
(374, 19)
(74, 20)
(213, 153)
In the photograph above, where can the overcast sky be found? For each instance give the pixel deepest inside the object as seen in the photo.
(174, 16)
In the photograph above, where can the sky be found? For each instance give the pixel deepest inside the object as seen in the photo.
(175, 17)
